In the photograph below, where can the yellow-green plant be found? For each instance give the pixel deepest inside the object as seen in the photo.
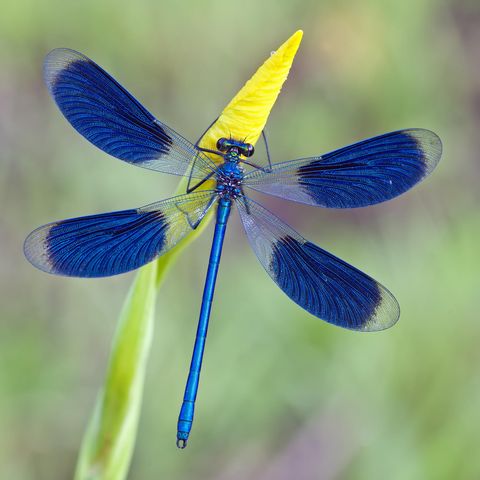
(110, 437)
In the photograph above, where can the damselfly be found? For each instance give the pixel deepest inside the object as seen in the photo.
(362, 174)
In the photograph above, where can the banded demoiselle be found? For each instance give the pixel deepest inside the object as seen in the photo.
(365, 173)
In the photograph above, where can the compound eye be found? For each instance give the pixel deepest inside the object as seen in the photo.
(249, 150)
(222, 144)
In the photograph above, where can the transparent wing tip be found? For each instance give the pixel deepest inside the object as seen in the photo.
(430, 145)
(58, 60)
(386, 313)
(35, 249)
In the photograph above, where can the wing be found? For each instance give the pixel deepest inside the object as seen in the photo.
(117, 242)
(362, 174)
(319, 282)
(108, 116)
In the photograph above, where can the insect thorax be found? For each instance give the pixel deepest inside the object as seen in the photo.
(229, 178)
(230, 173)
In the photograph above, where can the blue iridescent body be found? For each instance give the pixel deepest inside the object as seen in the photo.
(230, 175)
(365, 173)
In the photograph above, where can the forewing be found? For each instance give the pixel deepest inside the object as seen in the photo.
(117, 242)
(108, 116)
(362, 174)
(319, 282)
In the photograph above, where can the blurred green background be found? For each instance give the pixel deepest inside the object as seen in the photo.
(283, 395)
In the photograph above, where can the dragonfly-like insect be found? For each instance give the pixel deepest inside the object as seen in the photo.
(365, 173)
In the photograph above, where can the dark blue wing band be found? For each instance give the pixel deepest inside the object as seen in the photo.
(324, 285)
(98, 245)
(101, 110)
(372, 171)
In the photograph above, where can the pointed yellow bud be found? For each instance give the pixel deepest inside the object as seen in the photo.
(247, 114)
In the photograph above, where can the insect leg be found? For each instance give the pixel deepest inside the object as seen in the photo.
(201, 182)
(264, 136)
(201, 149)
(194, 225)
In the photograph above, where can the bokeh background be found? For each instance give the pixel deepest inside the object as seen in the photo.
(283, 395)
